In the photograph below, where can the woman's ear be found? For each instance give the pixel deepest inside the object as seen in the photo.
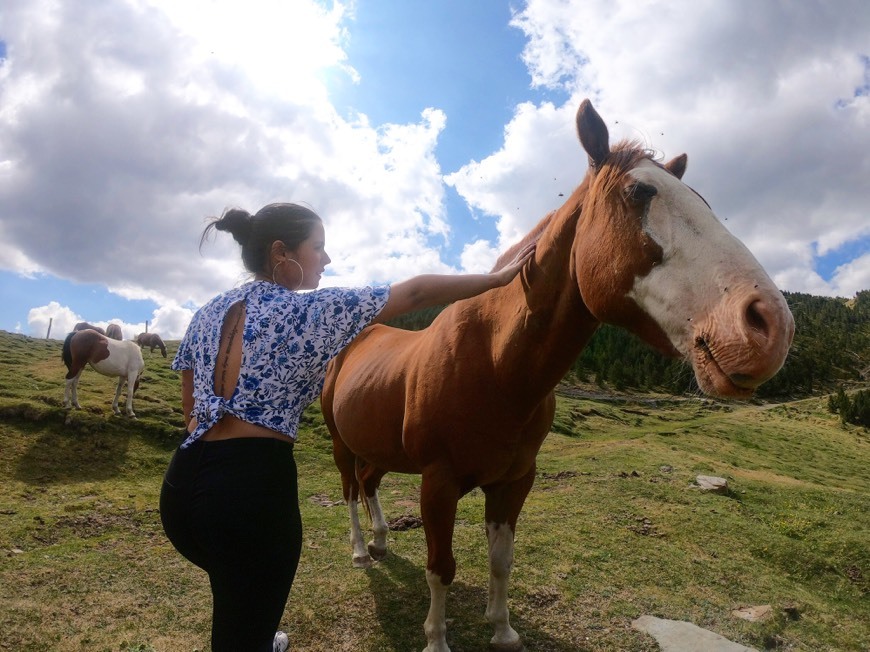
(277, 251)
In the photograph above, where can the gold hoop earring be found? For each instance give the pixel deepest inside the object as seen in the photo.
(301, 273)
(278, 264)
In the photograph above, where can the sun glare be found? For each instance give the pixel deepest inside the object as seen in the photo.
(280, 47)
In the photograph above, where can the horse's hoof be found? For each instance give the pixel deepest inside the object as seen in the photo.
(362, 561)
(377, 553)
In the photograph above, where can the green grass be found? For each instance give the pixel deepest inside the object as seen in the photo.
(611, 530)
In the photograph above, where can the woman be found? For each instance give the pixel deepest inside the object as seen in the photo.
(251, 360)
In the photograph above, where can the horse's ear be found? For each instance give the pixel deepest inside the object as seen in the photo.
(593, 134)
(677, 165)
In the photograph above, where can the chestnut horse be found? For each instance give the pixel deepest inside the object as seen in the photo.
(105, 355)
(83, 325)
(151, 340)
(468, 401)
(113, 331)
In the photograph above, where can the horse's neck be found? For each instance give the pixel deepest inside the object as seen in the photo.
(539, 323)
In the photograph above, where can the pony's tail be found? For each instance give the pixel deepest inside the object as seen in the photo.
(66, 352)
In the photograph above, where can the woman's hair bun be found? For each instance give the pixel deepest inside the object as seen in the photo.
(238, 222)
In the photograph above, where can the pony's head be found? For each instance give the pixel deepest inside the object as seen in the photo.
(650, 256)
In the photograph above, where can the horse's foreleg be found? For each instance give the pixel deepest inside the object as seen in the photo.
(503, 505)
(439, 495)
(501, 559)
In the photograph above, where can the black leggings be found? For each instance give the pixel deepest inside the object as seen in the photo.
(232, 508)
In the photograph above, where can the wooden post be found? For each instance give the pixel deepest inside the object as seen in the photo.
(50, 319)
(146, 325)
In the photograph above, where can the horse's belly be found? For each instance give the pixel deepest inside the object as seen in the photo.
(108, 368)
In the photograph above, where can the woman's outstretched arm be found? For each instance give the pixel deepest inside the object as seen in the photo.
(435, 289)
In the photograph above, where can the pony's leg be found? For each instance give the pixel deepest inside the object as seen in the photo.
(131, 389)
(71, 393)
(439, 495)
(503, 505)
(69, 388)
(118, 395)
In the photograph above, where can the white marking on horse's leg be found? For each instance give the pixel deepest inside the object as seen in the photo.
(501, 558)
(67, 393)
(118, 395)
(74, 384)
(378, 545)
(436, 623)
(131, 384)
(361, 557)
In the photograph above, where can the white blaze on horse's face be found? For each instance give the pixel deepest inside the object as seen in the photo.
(709, 294)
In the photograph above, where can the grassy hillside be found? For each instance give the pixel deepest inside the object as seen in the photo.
(611, 531)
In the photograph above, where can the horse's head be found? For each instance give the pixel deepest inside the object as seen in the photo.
(650, 256)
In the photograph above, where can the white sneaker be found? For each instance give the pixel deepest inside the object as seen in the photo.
(281, 643)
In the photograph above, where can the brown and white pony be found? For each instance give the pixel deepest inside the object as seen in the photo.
(468, 401)
(106, 356)
(151, 340)
(83, 325)
(113, 331)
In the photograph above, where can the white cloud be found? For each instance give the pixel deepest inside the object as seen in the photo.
(125, 124)
(770, 102)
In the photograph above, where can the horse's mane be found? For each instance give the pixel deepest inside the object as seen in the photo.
(624, 156)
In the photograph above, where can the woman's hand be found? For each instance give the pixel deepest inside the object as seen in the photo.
(507, 273)
(436, 289)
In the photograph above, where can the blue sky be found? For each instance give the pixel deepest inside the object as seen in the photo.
(429, 135)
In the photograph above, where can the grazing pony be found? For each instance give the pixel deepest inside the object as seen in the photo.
(113, 331)
(107, 356)
(468, 401)
(83, 325)
(151, 340)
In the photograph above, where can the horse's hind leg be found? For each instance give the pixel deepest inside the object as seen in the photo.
(370, 479)
(131, 389)
(345, 460)
(503, 505)
(118, 389)
(70, 390)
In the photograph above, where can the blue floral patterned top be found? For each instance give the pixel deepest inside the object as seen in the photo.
(288, 339)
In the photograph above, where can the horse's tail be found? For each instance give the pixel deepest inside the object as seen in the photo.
(359, 465)
(66, 352)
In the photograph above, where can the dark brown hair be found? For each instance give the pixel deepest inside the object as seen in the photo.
(289, 223)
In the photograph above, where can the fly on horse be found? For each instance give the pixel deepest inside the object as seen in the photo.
(468, 401)
(151, 340)
(113, 331)
(105, 355)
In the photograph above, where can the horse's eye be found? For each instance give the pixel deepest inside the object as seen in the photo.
(640, 192)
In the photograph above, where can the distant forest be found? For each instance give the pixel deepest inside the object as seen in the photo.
(831, 348)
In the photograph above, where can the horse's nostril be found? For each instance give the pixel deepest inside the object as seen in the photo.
(755, 317)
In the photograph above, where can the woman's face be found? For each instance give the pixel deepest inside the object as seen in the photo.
(312, 257)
